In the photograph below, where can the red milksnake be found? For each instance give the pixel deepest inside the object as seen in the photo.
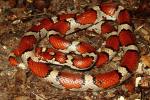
(84, 55)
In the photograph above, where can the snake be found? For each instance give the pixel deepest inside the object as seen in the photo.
(80, 55)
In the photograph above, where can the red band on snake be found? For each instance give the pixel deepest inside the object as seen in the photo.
(77, 54)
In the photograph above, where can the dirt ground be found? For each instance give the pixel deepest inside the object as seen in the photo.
(17, 16)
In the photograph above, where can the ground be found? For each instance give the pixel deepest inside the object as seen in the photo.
(17, 16)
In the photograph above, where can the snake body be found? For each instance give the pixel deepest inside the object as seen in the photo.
(80, 55)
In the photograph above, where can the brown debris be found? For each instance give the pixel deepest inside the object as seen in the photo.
(41, 4)
(146, 60)
(144, 8)
(12, 3)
